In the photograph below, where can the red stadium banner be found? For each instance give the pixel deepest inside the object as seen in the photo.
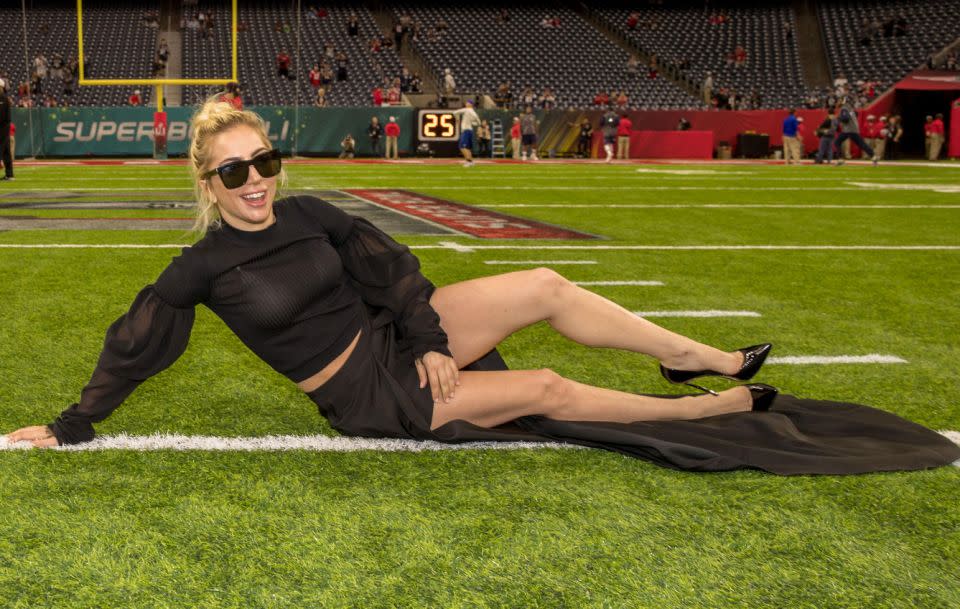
(465, 218)
(159, 135)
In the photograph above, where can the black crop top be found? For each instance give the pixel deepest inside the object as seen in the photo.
(293, 293)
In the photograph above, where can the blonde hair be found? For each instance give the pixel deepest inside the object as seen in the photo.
(213, 118)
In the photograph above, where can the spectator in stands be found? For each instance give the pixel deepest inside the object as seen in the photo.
(503, 97)
(375, 44)
(134, 99)
(232, 95)
(392, 131)
(398, 35)
(56, 66)
(624, 128)
(528, 131)
(283, 64)
(341, 66)
(683, 124)
(632, 20)
(314, 76)
(158, 67)
(739, 56)
(449, 83)
(813, 101)
(900, 26)
(442, 24)
(405, 79)
(348, 147)
(393, 93)
(50, 102)
(622, 100)
(483, 139)
(652, 71)
(601, 99)
(827, 132)
(40, 66)
(416, 84)
(353, 29)
(377, 95)
(163, 50)
(936, 137)
(840, 85)
(326, 76)
(894, 133)
(787, 29)
(707, 89)
(609, 124)
(850, 130)
(633, 65)
(69, 76)
(503, 16)
(791, 149)
(375, 132)
(432, 34)
(529, 98)
(951, 63)
(6, 148)
(548, 101)
(320, 100)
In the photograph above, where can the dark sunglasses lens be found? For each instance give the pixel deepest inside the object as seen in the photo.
(234, 175)
(267, 164)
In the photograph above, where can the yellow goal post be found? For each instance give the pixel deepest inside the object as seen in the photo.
(159, 82)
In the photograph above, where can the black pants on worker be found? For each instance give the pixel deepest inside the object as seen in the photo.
(7, 152)
(857, 139)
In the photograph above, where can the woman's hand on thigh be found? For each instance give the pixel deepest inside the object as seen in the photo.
(441, 372)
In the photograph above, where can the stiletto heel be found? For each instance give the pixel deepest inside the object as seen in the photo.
(762, 396)
(753, 358)
(703, 389)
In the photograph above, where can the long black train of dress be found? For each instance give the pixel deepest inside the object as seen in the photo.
(298, 292)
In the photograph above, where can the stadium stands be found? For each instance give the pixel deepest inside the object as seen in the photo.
(575, 60)
(690, 33)
(52, 30)
(271, 29)
(861, 38)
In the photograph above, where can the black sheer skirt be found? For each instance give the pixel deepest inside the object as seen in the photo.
(376, 394)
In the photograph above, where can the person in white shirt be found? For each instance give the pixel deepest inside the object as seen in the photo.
(469, 121)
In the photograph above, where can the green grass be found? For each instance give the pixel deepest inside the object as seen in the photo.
(526, 528)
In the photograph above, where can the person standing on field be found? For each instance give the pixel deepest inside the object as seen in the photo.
(528, 129)
(850, 130)
(609, 124)
(6, 148)
(623, 136)
(515, 138)
(936, 137)
(791, 148)
(469, 121)
(392, 131)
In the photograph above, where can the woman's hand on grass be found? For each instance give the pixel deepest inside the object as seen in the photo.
(39, 435)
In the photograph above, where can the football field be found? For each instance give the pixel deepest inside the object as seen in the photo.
(852, 272)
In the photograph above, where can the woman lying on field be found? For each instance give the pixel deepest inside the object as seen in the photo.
(341, 309)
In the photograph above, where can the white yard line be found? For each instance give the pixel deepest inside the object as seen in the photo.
(804, 360)
(523, 262)
(465, 248)
(315, 443)
(706, 206)
(709, 313)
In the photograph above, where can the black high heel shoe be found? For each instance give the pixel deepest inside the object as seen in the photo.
(753, 358)
(762, 396)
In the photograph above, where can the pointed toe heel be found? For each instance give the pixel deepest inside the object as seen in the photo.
(753, 358)
(762, 396)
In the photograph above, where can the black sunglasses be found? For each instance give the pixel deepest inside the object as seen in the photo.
(235, 173)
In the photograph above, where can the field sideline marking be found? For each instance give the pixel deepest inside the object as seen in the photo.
(709, 313)
(706, 206)
(463, 248)
(540, 262)
(314, 443)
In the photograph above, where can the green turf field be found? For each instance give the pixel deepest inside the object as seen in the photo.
(484, 528)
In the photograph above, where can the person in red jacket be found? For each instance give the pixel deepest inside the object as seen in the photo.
(936, 137)
(392, 131)
(515, 138)
(134, 99)
(377, 96)
(623, 136)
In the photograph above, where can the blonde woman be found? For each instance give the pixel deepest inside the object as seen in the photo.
(342, 310)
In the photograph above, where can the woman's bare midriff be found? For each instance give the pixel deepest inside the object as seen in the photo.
(318, 379)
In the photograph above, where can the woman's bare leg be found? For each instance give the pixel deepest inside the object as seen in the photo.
(479, 313)
(488, 399)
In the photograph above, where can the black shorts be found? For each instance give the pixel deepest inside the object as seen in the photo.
(529, 139)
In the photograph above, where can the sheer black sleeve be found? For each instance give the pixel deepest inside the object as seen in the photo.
(386, 274)
(141, 343)
(144, 341)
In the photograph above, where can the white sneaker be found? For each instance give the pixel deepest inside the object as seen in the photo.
(468, 163)
(534, 157)
(523, 157)
(875, 159)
